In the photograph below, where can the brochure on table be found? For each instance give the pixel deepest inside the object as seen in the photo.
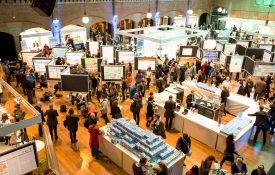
(107, 53)
(27, 57)
(236, 63)
(39, 64)
(112, 72)
(126, 57)
(93, 47)
(59, 52)
(74, 57)
(142, 63)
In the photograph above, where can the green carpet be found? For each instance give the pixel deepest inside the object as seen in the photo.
(272, 170)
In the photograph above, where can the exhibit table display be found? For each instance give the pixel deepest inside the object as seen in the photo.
(125, 143)
(208, 109)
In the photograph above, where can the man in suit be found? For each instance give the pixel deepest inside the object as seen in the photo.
(260, 88)
(190, 99)
(169, 107)
(261, 118)
(52, 121)
(224, 96)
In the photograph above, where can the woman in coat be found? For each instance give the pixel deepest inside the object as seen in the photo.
(115, 110)
(150, 111)
(158, 127)
(229, 150)
(94, 142)
(72, 125)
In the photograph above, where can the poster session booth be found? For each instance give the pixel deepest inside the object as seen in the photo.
(227, 48)
(258, 68)
(107, 53)
(59, 52)
(91, 64)
(142, 63)
(160, 40)
(93, 47)
(112, 73)
(39, 64)
(189, 54)
(53, 71)
(125, 57)
(74, 82)
(73, 58)
(27, 57)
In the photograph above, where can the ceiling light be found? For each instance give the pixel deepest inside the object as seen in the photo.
(190, 11)
(219, 9)
(149, 14)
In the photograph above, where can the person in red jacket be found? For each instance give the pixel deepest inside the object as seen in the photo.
(94, 143)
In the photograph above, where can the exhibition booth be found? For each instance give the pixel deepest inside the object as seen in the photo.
(112, 73)
(77, 33)
(161, 40)
(53, 71)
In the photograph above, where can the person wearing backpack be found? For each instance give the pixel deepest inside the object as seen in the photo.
(135, 108)
(72, 125)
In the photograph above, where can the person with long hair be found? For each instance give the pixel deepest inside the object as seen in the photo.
(161, 169)
(229, 150)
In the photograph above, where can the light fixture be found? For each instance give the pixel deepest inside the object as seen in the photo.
(149, 14)
(85, 18)
(165, 17)
(55, 21)
(190, 11)
(219, 9)
(266, 29)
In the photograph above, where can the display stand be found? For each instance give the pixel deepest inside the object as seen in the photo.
(142, 63)
(27, 57)
(125, 56)
(112, 73)
(53, 72)
(71, 82)
(39, 64)
(59, 52)
(74, 57)
(209, 55)
(91, 64)
(107, 53)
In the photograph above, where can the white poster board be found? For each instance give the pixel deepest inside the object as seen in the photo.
(20, 160)
(93, 47)
(144, 63)
(267, 56)
(229, 48)
(74, 57)
(91, 64)
(187, 51)
(59, 52)
(126, 56)
(264, 70)
(266, 47)
(108, 53)
(55, 72)
(27, 57)
(113, 72)
(219, 47)
(40, 64)
(223, 59)
(236, 63)
(24, 46)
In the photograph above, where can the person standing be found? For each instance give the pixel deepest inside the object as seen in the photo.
(229, 150)
(190, 99)
(32, 79)
(134, 90)
(224, 96)
(139, 76)
(162, 169)
(226, 83)
(29, 90)
(261, 118)
(52, 122)
(241, 90)
(192, 71)
(248, 86)
(160, 84)
(115, 110)
(72, 124)
(38, 107)
(92, 119)
(148, 76)
(136, 107)
(259, 171)
(169, 113)
(239, 167)
(158, 127)
(206, 165)
(184, 145)
(260, 88)
(272, 114)
(140, 167)
(6, 70)
(268, 81)
(103, 107)
(150, 111)
(94, 142)
(123, 88)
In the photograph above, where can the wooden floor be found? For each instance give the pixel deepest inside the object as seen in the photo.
(74, 163)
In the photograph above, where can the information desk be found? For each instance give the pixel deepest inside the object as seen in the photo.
(205, 129)
(235, 103)
(125, 159)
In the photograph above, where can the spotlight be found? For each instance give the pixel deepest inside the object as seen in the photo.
(219, 9)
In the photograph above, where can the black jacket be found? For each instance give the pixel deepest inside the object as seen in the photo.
(184, 145)
(28, 85)
(224, 95)
(115, 110)
(235, 169)
(261, 117)
(41, 113)
(189, 99)
(159, 129)
(169, 107)
(150, 110)
(241, 90)
(72, 122)
(52, 117)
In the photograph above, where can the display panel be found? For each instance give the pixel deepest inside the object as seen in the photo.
(243, 43)
(264, 70)
(20, 160)
(219, 47)
(59, 52)
(94, 47)
(75, 83)
(27, 57)
(54, 72)
(107, 53)
(267, 56)
(223, 59)
(236, 63)
(91, 64)
(255, 51)
(266, 47)
(126, 56)
(249, 65)
(142, 63)
(74, 57)
(39, 64)
(209, 55)
(112, 72)
(229, 48)
(188, 51)
(241, 50)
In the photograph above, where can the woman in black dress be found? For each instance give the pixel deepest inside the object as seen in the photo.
(150, 111)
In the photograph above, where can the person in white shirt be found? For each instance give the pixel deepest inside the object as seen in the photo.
(3, 123)
(148, 76)
(226, 83)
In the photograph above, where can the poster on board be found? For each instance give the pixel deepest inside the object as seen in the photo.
(59, 52)
(144, 62)
(91, 64)
(74, 57)
(39, 65)
(27, 57)
(229, 48)
(236, 63)
(264, 70)
(187, 51)
(223, 59)
(107, 53)
(219, 47)
(209, 55)
(266, 47)
(267, 56)
(54, 72)
(126, 56)
(94, 47)
(113, 72)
